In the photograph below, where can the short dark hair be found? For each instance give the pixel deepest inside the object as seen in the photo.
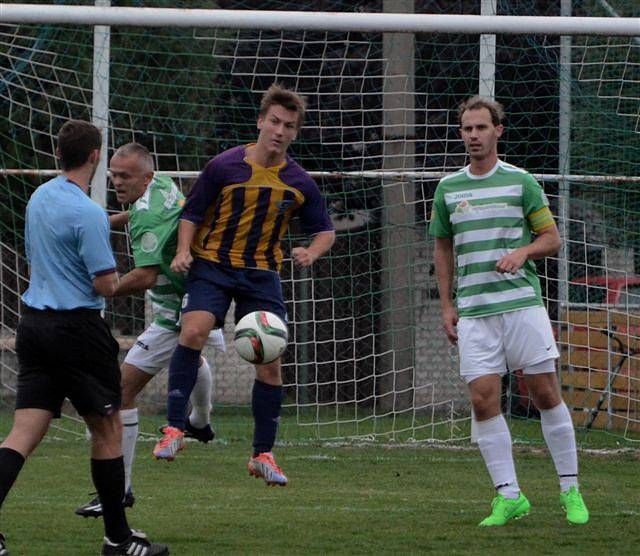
(477, 102)
(281, 96)
(136, 149)
(77, 139)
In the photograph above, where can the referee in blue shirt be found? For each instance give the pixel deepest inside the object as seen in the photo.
(65, 349)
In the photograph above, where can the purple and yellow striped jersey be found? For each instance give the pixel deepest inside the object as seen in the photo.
(242, 210)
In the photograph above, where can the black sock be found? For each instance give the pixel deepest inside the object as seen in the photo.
(10, 464)
(266, 402)
(108, 478)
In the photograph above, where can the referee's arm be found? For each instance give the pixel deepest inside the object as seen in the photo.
(106, 284)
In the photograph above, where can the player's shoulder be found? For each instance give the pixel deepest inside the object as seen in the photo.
(51, 184)
(164, 182)
(162, 195)
(231, 156)
(294, 174)
(453, 179)
(167, 192)
(90, 207)
(509, 173)
(87, 213)
(511, 169)
(229, 166)
(65, 193)
(46, 190)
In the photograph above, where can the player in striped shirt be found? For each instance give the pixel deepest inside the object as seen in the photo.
(491, 220)
(155, 207)
(229, 240)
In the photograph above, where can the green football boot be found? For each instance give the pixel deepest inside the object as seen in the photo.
(504, 509)
(574, 506)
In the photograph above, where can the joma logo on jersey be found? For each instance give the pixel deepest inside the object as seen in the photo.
(462, 195)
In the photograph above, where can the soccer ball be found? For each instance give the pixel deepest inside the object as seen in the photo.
(260, 337)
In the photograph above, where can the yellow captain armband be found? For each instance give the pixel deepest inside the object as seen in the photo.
(540, 219)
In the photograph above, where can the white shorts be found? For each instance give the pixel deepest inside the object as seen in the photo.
(520, 339)
(154, 347)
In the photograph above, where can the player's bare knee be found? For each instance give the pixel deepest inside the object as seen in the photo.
(270, 373)
(478, 401)
(105, 429)
(484, 394)
(195, 329)
(484, 407)
(106, 435)
(194, 335)
(546, 397)
(544, 390)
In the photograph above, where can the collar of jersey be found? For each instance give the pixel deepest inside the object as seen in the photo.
(490, 173)
(275, 168)
(73, 183)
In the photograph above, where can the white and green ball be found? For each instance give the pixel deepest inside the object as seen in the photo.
(260, 337)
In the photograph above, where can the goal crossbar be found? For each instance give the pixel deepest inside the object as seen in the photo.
(366, 174)
(317, 21)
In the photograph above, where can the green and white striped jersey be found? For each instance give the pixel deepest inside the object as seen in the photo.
(488, 217)
(153, 231)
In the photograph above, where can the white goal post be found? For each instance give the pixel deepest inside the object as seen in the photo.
(317, 21)
(324, 21)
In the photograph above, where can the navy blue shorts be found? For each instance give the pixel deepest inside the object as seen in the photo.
(212, 286)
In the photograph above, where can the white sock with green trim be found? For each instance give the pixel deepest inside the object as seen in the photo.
(494, 441)
(130, 428)
(560, 436)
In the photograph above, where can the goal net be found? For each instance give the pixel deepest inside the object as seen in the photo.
(367, 357)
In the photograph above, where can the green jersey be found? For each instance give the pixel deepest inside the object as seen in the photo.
(487, 217)
(153, 230)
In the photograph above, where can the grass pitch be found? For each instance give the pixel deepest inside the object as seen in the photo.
(346, 500)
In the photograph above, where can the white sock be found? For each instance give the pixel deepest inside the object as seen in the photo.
(494, 441)
(129, 437)
(558, 432)
(201, 397)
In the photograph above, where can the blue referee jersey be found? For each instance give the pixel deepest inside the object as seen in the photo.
(67, 246)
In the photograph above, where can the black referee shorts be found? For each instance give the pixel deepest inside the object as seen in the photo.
(67, 354)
